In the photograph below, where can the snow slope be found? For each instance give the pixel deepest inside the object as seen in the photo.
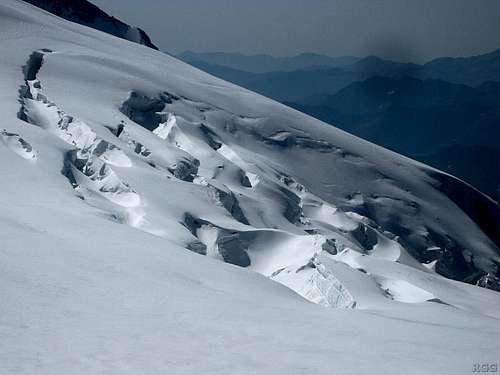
(121, 167)
(86, 13)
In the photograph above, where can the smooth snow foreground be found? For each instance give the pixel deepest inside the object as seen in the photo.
(121, 165)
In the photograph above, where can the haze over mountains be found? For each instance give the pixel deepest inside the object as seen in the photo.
(470, 71)
(448, 105)
(266, 63)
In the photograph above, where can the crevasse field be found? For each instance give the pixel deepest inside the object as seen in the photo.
(157, 220)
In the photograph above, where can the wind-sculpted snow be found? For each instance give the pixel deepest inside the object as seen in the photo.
(90, 172)
(18, 145)
(316, 282)
(160, 220)
(193, 127)
(87, 166)
(205, 155)
(230, 246)
(138, 147)
(146, 111)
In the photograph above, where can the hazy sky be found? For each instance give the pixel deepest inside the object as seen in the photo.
(415, 30)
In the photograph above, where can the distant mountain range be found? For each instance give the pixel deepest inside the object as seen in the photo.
(286, 86)
(467, 70)
(443, 112)
(265, 63)
(472, 71)
(294, 85)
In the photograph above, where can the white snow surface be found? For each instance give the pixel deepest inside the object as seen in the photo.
(115, 159)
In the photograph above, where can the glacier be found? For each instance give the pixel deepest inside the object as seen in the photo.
(155, 219)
